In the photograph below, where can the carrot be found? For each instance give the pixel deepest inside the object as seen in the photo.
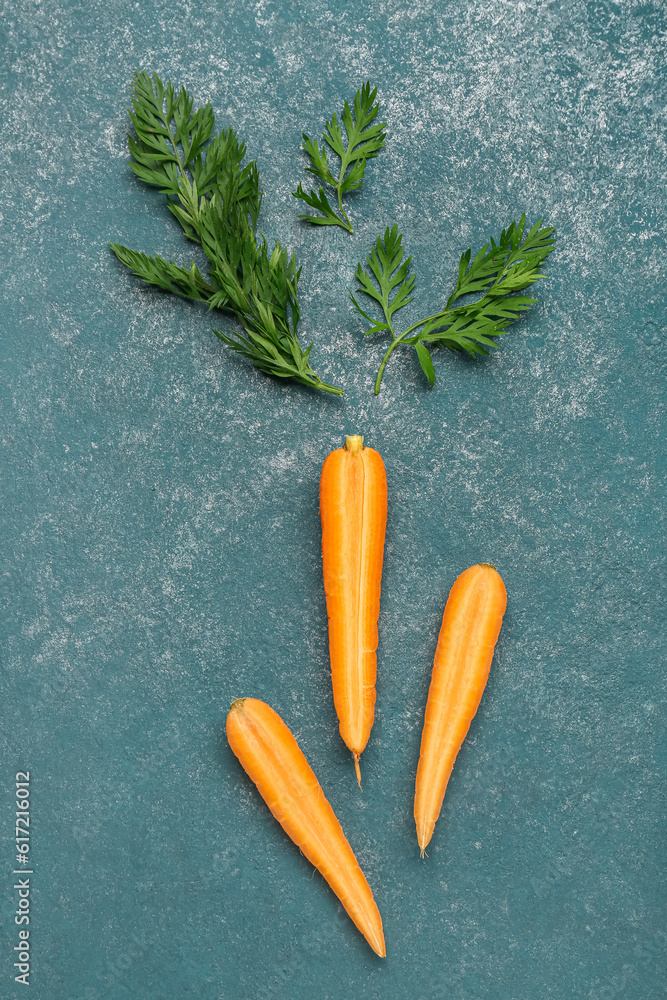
(271, 756)
(468, 635)
(353, 509)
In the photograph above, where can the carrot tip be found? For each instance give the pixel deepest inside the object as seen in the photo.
(422, 853)
(357, 769)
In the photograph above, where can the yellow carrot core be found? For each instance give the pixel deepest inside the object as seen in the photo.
(354, 442)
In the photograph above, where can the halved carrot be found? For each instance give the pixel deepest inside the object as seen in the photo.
(468, 635)
(271, 756)
(353, 508)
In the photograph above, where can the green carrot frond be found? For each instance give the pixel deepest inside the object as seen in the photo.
(363, 139)
(497, 272)
(216, 198)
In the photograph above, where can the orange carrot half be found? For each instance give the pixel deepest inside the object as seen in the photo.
(353, 509)
(271, 756)
(468, 635)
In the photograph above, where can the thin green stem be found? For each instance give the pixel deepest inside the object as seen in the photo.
(333, 389)
(422, 322)
(395, 341)
(339, 184)
(402, 339)
(316, 383)
(340, 204)
(383, 365)
(174, 143)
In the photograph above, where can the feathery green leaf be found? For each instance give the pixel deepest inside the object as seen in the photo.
(165, 274)
(364, 138)
(216, 199)
(497, 271)
(320, 202)
(393, 281)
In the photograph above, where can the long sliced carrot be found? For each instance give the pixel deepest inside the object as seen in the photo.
(271, 756)
(468, 635)
(353, 508)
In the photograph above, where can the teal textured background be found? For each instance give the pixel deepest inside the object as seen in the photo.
(160, 534)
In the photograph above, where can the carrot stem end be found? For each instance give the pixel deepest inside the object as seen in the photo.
(354, 443)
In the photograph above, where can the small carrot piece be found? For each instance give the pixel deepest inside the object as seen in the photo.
(468, 635)
(271, 757)
(353, 509)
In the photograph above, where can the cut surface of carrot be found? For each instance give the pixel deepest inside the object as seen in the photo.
(353, 509)
(270, 755)
(468, 635)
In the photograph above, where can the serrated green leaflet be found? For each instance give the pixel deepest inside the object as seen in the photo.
(426, 362)
(496, 272)
(165, 274)
(216, 200)
(364, 138)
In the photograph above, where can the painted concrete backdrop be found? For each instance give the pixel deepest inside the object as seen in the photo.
(160, 540)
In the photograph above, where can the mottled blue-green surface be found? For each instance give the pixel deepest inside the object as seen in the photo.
(160, 546)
